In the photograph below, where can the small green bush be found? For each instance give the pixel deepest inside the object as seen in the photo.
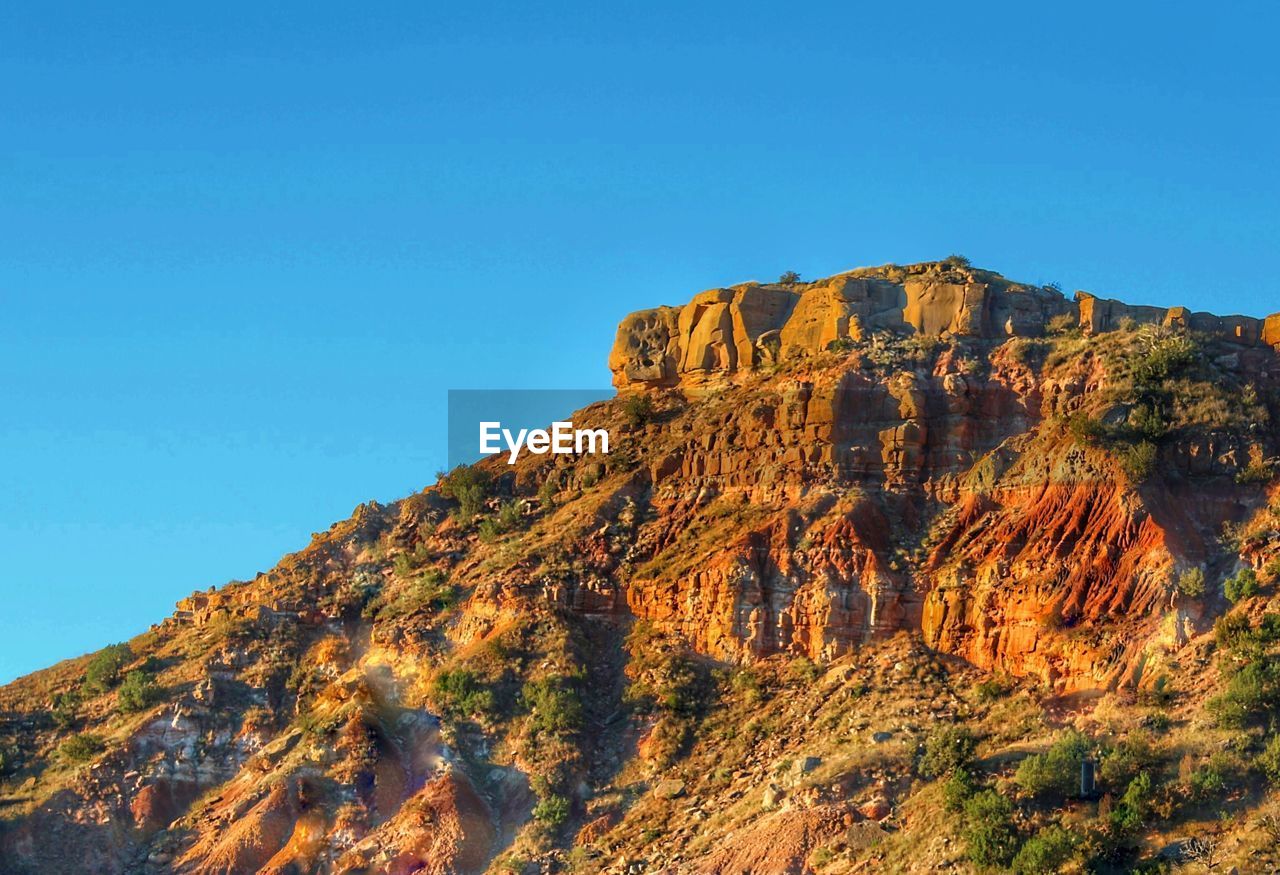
(989, 835)
(1231, 630)
(552, 810)
(1191, 583)
(1269, 760)
(1256, 471)
(81, 748)
(138, 692)
(554, 706)
(946, 750)
(467, 485)
(957, 790)
(1211, 779)
(1167, 358)
(65, 708)
(1129, 813)
(993, 688)
(1147, 421)
(1085, 429)
(1124, 762)
(103, 671)
(1242, 586)
(747, 682)
(802, 670)
(637, 409)
(789, 277)
(1252, 694)
(547, 492)
(1057, 770)
(1138, 461)
(461, 692)
(1045, 852)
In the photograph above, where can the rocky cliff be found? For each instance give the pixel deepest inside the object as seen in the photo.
(754, 325)
(837, 515)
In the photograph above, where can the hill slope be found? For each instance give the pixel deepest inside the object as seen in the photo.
(875, 562)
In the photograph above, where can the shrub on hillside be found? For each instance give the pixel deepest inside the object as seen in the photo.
(1211, 779)
(1057, 770)
(462, 692)
(958, 789)
(1124, 762)
(552, 810)
(1085, 429)
(1234, 632)
(554, 706)
(1191, 583)
(81, 748)
(1128, 814)
(103, 671)
(467, 485)
(1258, 470)
(637, 409)
(1241, 586)
(1269, 760)
(989, 835)
(65, 707)
(789, 277)
(1165, 359)
(9, 759)
(1063, 323)
(1148, 422)
(802, 670)
(1252, 693)
(138, 692)
(993, 688)
(1138, 461)
(1046, 851)
(947, 749)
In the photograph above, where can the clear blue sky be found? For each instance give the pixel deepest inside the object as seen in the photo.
(244, 251)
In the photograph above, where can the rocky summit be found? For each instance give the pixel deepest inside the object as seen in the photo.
(910, 569)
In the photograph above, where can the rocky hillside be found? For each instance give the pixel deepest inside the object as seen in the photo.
(875, 564)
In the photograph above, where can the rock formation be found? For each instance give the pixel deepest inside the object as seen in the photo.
(847, 511)
(744, 327)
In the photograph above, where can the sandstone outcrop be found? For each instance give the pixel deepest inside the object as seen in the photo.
(743, 328)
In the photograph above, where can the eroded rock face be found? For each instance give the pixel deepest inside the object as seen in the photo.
(939, 497)
(739, 329)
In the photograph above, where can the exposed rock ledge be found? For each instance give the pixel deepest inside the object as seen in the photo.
(740, 328)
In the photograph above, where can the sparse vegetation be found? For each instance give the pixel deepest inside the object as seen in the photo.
(990, 838)
(1191, 583)
(1046, 851)
(992, 688)
(467, 485)
(1269, 760)
(138, 691)
(461, 692)
(1057, 771)
(81, 748)
(103, 671)
(947, 749)
(637, 409)
(1241, 586)
(1138, 461)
